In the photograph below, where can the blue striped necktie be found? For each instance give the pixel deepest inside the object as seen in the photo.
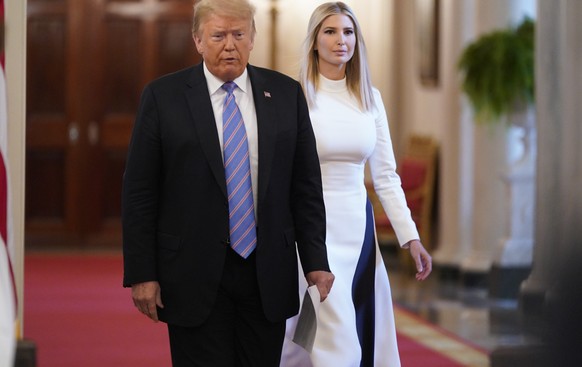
(243, 234)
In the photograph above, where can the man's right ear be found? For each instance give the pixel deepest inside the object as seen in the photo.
(198, 43)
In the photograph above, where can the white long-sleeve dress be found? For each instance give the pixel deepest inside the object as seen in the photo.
(355, 325)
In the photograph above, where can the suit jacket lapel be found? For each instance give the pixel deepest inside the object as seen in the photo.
(205, 123)
(266, 128)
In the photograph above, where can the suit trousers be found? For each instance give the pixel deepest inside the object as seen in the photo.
(237, 333)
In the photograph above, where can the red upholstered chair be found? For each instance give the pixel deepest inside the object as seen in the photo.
(417, 170)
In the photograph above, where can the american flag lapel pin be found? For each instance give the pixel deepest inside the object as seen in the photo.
(267, 94)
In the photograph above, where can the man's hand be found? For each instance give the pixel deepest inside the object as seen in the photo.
(145, 297)
(323, 280)
(421, 258)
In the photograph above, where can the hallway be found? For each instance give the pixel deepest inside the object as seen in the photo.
(465, 312)
(76, 313)
(469, 325)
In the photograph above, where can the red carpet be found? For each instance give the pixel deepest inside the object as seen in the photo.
(412, 354)
(77, 313)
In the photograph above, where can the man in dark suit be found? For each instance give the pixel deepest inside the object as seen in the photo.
(225, 304)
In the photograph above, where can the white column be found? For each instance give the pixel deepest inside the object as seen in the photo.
(558, 230)
(490, 155)
(16, 87)
(489, 209)
(456, 148)
(515, 248)
(471, 157)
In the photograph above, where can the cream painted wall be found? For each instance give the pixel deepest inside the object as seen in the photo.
(16, 90)
(428, 108)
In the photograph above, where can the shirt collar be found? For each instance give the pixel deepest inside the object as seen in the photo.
(214, 83)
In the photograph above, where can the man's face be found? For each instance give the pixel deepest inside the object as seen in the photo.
(225, 43)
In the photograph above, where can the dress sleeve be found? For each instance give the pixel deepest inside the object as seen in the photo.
(386, 181)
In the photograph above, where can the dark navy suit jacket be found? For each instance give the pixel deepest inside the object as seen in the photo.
(174, 201)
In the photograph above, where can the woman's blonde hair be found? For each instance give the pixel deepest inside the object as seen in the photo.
(238, 9)
(357, 71)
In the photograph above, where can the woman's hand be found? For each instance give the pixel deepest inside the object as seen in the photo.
(421, 258)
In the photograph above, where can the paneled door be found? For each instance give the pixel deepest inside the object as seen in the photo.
(88, 61)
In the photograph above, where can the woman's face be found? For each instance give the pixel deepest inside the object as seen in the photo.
(335, 44)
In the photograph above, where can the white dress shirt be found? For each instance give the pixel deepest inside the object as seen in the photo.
(246, 105)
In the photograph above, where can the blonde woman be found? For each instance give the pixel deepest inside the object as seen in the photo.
(355, 325)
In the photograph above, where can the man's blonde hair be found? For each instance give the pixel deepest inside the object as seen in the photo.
(239, 9)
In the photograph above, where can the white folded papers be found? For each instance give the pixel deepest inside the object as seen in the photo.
(307, 321)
